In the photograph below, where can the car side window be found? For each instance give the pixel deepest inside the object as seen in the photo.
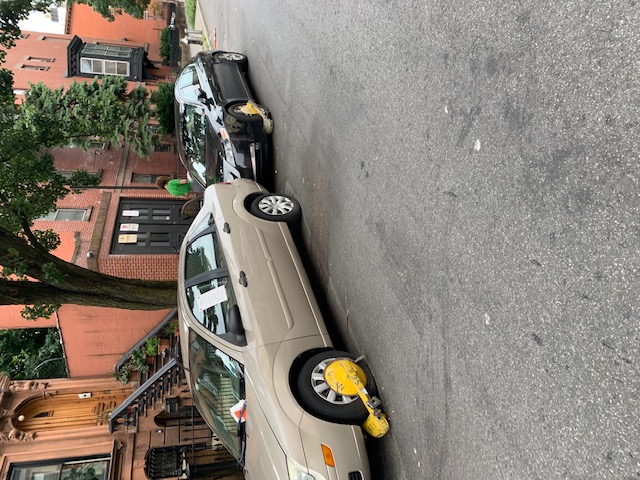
(215, 156)
(211, 301)
(193, 127)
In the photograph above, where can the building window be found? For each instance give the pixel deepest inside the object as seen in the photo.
(97, 469)
(35, 67)
(41, 59)
(104, 67)
(114, 51)
(68, 214)
(149, 226)
(144, 177)
(54, 39)
(24, 35)
(19, 91)
(163, 147)
(69, 173)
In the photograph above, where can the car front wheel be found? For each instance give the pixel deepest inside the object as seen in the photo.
(276, 207)
(317, 397)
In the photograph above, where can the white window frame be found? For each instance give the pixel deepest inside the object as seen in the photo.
(86, 213)
(89, 64)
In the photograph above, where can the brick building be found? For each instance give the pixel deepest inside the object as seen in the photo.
(117, 230)
(91, 425)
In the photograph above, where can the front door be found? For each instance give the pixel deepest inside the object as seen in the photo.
(148, 226)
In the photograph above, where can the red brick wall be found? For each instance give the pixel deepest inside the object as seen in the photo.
(108, 161)
(83, 21)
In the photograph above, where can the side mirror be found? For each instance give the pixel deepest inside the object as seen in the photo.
(235, 330)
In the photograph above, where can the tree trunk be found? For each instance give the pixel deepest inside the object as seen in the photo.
(76, 285)
(130, 297)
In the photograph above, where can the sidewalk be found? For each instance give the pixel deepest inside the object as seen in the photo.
(191, 49)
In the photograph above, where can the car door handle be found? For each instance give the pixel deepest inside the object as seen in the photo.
(243, 279)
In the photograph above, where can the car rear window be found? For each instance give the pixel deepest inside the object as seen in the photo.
(204, 254)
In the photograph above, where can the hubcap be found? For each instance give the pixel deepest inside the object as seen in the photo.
(276, 205)
(242, 109)
(234, 57)
(322, 388)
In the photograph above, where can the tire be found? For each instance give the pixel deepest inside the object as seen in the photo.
(324, 403)
(276, 207)
(233, 57)
(235, 110)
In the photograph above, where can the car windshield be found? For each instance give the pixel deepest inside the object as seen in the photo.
(201, 146)
(217, 385)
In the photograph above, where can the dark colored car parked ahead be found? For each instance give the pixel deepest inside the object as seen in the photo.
(222, 132)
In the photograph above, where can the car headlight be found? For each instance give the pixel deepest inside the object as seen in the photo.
(296, 473)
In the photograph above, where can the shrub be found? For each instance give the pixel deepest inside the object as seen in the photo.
(165, 45)
(164, 99)
(151, 346)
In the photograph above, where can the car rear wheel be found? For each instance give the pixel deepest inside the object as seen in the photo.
(276, 207)
(233, 57)
(321, 401)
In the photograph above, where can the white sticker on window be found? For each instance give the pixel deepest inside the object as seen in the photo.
(212, 298)
(129, 227)
(130, 213)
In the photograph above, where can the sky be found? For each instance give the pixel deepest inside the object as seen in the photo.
(41, 22)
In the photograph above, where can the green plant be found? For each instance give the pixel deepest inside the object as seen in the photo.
(123, 375)
(164, 100)
(171, 328)
(190, 12)
(151, 346)
(165, 44)
(139, 360)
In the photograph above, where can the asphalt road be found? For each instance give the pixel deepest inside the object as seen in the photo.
(469, 179)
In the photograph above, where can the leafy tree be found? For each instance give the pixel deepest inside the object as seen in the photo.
(12, 12)
(30, 185)
(29, 353)
(107, 8)
(30, 188)
(165, 110)
(86, 111)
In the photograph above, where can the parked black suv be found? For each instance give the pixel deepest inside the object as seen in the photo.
(222, 132)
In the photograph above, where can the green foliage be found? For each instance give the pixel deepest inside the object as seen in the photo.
(107, 8)
(139, 360)
(151, 346)
(52, 273)
(48, 239)
(12, 12)
(171, 328)
(165, 108)
(14, 265)
(165, 45)
(82, 178)
(34, 312)
(26, 354)
(123, 375)
(190, 12)
(101, 110)
(6, 86)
